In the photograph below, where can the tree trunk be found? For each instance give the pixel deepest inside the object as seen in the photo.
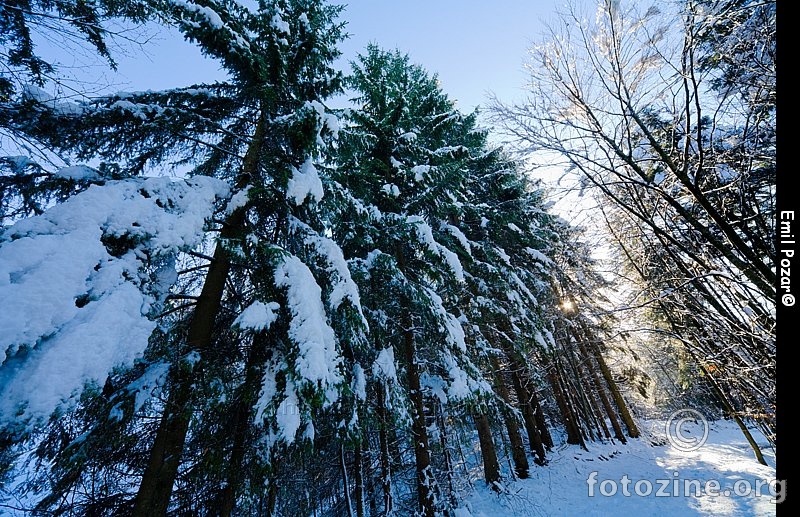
(601, 392)
(155, 489)
(358, 477)
(518, 455)
(345, 481)
(158, 479)
(729, 408)
(491, 467)
(272, 498)
(574, 386)
(426, 484)
(159, 476)
(448, 460)
(574, 436)
(619, 401)
(526, 393)
(532, 428)
(241, 424)
(538, 414)
(385, 456)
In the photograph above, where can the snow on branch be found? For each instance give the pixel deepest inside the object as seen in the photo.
(318, 359)
(81, 282)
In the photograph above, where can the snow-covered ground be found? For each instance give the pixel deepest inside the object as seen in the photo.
(579, 483)
(651, 465)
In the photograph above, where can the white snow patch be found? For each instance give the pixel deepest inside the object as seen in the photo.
(539, 256)
(318, 359)
(425, 235)
(287, 417)
(459, 235)
(77, 172)
(238, 200)
(303, 183)
(420, 171)
(44, 99)
(384, 365)
(359, 382)
(391, 189)
(257, 316)
(724, 465)
(78, 310)
(280, 24)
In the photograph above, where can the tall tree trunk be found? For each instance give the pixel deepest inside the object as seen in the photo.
(518, 455)
(575, 387)
(731, 411)
(619, 401)
(529, 402)
(358, 477)
(158, 479)
(448, 460)
(538, 413)
(532, 428)
(385, 455)
(491, 467)
(242, 421)
(426, 484)
(345, 481)
(155, 489)
(601, 392)
(574, 435)
(272, 498)
(159, 475)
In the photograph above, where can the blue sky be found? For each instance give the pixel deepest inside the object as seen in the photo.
(475, 46)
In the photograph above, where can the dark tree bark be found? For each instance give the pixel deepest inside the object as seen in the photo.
(385, 455)
(568, 416)
(619, 401)
(242, 420)
(491, 467)
(426, 484)
(518, 455)
(612, 416)
(358, 477)
(272, 498)
(155, 490)
(345, 482)
(532, 427)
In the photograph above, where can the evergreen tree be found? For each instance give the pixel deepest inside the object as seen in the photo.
(32, 176)
(273, 287)
(402, 158)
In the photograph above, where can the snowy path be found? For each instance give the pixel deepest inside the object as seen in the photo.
(562, 489)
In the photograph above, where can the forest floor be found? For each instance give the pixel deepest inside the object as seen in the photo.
(649, 476)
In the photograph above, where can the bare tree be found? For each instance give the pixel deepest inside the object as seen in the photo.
(676, 138)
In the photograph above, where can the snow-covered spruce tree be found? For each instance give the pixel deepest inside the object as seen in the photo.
(510, 236)
(403, 157)
(31, 176)
(587, 392)
(522, 257)
(261, 327)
